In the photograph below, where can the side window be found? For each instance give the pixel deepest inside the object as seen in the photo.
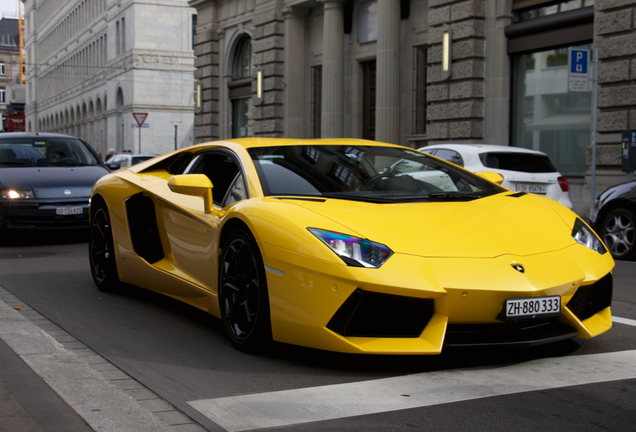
(237, 191)
(451, 156)
(222, 171)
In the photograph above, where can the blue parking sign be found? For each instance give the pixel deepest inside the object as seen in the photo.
(579, 61)
(578, 65)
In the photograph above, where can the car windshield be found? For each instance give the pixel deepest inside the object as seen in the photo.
(370, 173)
(39, 151)
(523, 162)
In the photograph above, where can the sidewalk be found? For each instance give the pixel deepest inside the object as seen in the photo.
(50, 381)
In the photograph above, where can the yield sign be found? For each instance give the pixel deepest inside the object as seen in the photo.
(140, 118)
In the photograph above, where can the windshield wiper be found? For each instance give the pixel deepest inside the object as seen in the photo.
(457, 195)
(354, 197)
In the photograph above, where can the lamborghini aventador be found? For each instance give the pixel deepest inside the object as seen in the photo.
(349, 245)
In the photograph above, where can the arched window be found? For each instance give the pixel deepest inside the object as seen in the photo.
(242, 65)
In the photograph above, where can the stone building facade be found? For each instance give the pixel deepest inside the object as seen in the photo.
(381, 69)
(91, 64)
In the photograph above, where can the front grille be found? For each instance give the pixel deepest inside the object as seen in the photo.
(371, 314)
(521, 333)
(591, 299)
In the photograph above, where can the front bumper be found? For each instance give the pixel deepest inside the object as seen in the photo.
(413, 305)
(35, 215)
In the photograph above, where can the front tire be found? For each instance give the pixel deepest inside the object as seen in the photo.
(618, 230)
(101, 249)
(243, 296)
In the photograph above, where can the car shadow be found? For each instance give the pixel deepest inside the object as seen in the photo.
(372, 364)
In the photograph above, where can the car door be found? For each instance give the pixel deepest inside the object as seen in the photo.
(191, 233)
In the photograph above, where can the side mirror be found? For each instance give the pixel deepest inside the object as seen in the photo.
(492, 177)
(113, 166)
(194, 185)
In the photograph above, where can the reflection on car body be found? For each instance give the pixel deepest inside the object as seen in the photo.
(351, 246)
(522, 170)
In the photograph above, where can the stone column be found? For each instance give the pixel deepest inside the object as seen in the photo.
(387, 121)
(333, 70)
(294, 101)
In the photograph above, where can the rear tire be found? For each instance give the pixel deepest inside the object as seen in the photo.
(618, 230)
(243, 296)
(101, 249)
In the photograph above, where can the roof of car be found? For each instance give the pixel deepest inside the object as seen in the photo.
(35, 135)
(481, 148)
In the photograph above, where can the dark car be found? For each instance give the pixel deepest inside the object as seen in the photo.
(46, 181)
(613, 216)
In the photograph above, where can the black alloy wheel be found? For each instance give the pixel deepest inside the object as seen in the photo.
(243, 296)
(101, 249)
(618, 230)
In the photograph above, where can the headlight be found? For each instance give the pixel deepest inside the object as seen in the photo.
(585, 236)
(354, 251)
(16, 194)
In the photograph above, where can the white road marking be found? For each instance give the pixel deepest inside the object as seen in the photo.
(290, 407)
(625, 321)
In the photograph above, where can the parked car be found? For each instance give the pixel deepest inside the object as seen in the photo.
(128, 159)
(613, 216)
(315, 243)
(523, 170)
(46, 181)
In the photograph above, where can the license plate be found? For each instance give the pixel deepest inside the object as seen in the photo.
(63, 211)
(531, 307)
(531, 188)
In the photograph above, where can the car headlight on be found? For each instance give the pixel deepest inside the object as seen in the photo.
(16, 194)
(354, 251)
(585, 236)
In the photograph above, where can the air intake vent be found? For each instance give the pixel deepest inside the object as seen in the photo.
(591, 299)
(371, 314)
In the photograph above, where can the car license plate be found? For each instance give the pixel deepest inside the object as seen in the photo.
(63, 211)
(531, 307)
(531, 188)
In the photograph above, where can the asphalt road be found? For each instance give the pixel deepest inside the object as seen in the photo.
(182, 355)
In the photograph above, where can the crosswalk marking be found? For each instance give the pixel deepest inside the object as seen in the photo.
(625, 321)
(290, 407)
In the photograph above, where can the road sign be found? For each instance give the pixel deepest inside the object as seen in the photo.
(578, 66)
(140, 117)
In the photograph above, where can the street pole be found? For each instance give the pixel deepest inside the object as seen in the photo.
(175, 136)
(140, 139)
(595, 108)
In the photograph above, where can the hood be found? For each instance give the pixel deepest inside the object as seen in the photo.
(53, 182)
(482, 228)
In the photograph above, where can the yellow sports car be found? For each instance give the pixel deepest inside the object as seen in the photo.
(349, 245)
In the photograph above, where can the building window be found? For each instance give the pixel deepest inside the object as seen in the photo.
(123, 35)
(3, 95)
(548, 8)
(546, 116)
(368, 22)
(242, 67)
(368, 99)
(419, 89)
(241, 88)
(117, 38)
(316, 101)
(3, 68)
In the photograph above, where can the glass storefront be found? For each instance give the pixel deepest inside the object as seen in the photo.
(546, 116)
